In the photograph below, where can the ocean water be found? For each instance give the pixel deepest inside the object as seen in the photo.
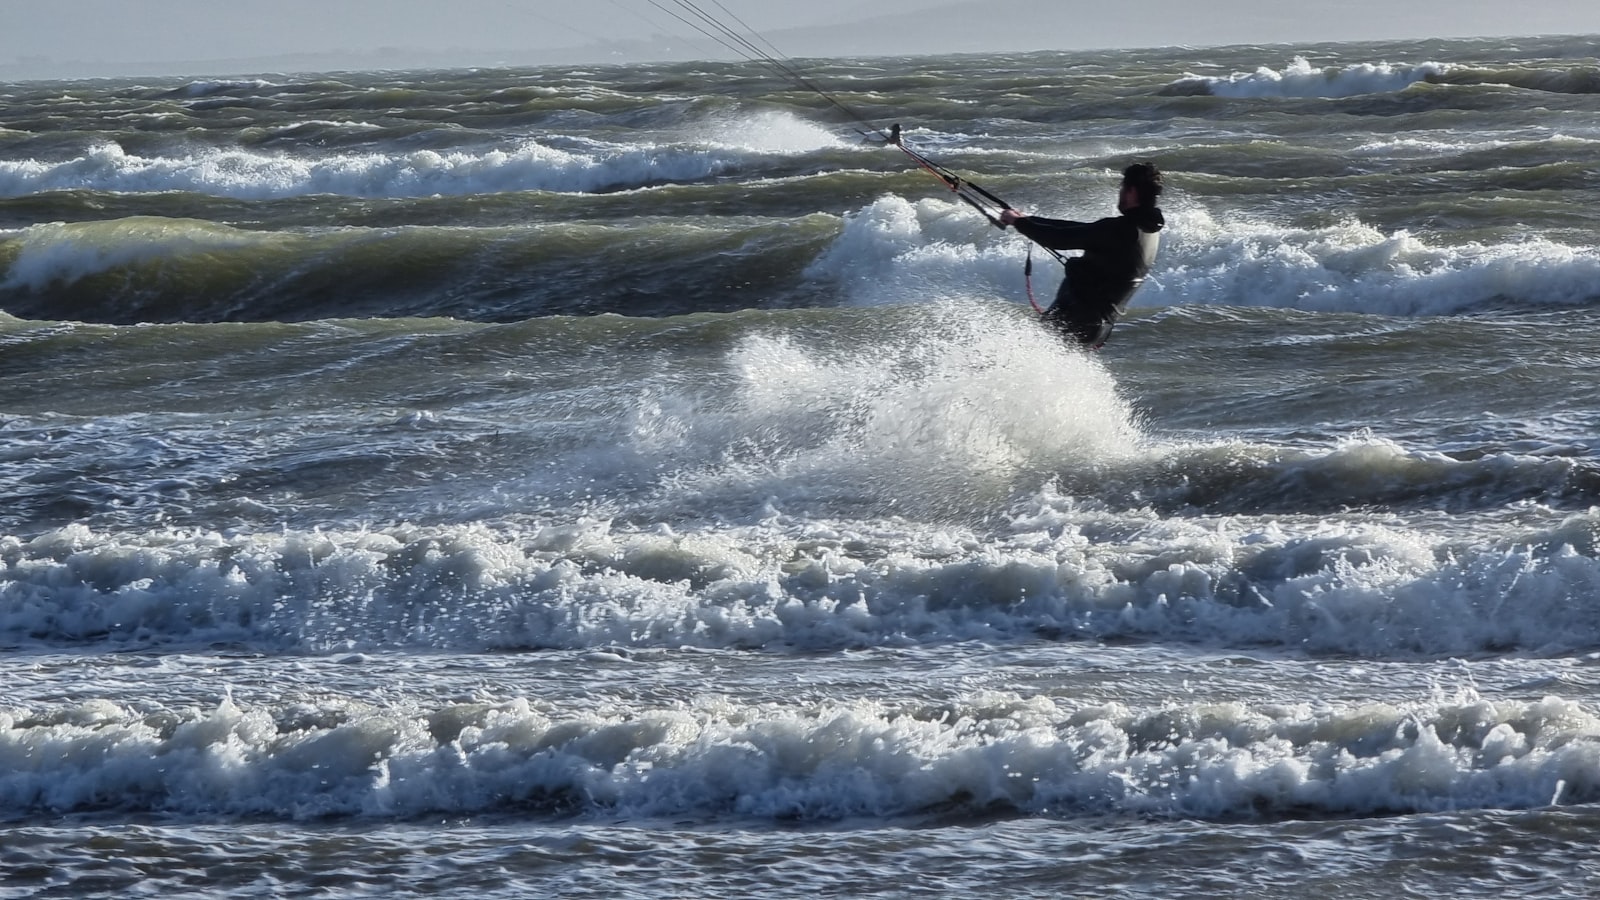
(622, 481)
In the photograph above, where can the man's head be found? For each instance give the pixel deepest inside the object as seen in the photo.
(1141, 185)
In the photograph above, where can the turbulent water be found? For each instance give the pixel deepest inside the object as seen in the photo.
(625, 481)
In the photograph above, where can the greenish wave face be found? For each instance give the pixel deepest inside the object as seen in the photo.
(1403, 179)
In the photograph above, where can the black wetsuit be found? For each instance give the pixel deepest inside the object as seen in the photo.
(1117, 254)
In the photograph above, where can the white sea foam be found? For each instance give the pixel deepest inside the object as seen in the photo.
(956, 413)
(1302, 79)
(981, 753)
(770, 132)
(1439, 144)
(1365, 589)
(895, 249)
(530, 165)
(1354, 267)
(251, 175)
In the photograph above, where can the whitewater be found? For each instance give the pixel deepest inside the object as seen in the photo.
(627, 481)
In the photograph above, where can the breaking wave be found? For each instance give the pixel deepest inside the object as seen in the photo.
(979, 755)
(1303, 79)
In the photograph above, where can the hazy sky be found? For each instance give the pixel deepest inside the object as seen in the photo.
(68, 37)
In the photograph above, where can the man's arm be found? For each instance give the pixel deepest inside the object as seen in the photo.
(1064, 234)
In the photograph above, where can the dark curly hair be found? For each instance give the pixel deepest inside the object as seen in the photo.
(1144, 178)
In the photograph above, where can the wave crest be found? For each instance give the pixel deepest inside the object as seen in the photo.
(1301, 79)
(980, 754)
(1354, 267)
(1058, 570)
(573, 165)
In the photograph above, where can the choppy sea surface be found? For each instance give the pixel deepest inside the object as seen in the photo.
(626, 482)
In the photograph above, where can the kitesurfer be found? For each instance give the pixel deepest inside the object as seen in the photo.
(1117, 254)
(891, 139)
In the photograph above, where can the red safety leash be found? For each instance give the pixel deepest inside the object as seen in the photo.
(1027, 279)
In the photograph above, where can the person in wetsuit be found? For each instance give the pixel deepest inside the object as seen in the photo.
(1117, 254)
